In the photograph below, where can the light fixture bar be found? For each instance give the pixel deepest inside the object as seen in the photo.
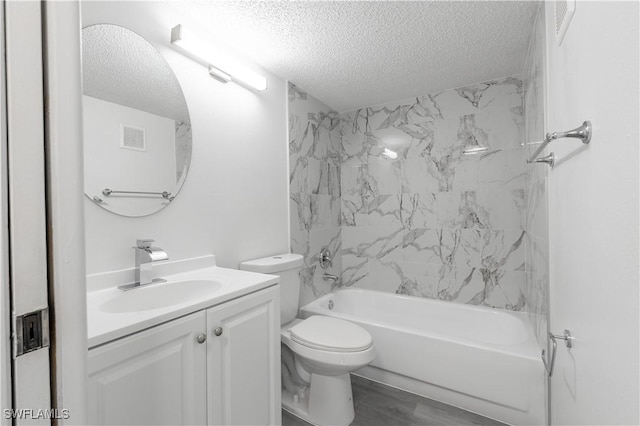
(219, 75)
(390, 154)
(224, 66)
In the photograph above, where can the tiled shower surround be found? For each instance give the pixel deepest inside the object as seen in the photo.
(536, 225)
(314, 193)
(416, 215)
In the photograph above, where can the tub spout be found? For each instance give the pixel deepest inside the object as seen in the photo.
(327, 276)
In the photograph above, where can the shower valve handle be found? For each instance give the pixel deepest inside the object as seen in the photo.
(325, 258)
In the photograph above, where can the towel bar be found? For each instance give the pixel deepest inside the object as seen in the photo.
(107, 192)
(583, 133)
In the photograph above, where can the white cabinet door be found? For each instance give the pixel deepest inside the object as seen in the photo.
(153, 377)
(243, 361)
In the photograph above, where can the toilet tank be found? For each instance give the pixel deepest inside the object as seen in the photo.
(287, 267)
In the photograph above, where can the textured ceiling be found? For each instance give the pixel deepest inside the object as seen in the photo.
(362, 53)
(121, 67)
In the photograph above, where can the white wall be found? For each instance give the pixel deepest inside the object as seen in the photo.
(234, 201)
(593, 214)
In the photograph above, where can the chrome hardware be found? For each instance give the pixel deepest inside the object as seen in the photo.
(330, 305)
(145, 257)
(131, 286)
(327, 276)
(201, 338)
(583, 133)
(568, 339)
(549, 367)
(477, 149)
(218, 331)
(326, 260)
(164, 194)
(531, 143)
(549, 159)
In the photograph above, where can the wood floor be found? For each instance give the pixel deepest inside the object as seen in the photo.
(380, 405)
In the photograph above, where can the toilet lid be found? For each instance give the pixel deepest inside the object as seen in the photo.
(331, 334)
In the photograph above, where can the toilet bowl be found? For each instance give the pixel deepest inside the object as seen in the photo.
(325, 351)
(318, 353)
(326, 347)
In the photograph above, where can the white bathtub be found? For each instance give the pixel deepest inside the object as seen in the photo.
(480, 359)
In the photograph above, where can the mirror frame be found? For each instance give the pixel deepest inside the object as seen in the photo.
(165, 198)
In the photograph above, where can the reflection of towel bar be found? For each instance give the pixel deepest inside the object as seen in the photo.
(167, 195)
(583, 132)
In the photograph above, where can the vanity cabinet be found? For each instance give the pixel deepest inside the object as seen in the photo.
(171, 374)
(243, 361)
(155, 377)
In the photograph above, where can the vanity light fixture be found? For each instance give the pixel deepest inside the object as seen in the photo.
(221, 66)
(390, 154)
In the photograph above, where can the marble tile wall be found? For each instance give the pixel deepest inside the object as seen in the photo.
(536, 225)
(314, 194)
(389, 191)
(420, 218)
(183, 149)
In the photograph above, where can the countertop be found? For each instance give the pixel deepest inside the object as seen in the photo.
(105, 326)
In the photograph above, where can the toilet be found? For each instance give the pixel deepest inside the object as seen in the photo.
(318, 353)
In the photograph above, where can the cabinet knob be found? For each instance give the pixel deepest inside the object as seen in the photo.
(201, 338)
(217, 331)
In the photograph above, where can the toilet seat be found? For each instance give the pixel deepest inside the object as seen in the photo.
(330, 334)
(324, 361)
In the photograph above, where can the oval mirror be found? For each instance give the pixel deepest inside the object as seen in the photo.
(137, 132)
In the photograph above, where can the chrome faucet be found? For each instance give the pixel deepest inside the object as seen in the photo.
(325, 258)
(145, 256)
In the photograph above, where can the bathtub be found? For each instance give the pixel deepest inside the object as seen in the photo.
(479, 359)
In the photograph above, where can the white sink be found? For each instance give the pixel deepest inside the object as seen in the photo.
(155, 296)
(192, 285)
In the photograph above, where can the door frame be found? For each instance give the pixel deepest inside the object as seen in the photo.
(27, 233)
(41, 189)
(5, 307)
(62, 31)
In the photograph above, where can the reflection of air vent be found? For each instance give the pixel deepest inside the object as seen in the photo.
(564, 11)
(132, 138)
